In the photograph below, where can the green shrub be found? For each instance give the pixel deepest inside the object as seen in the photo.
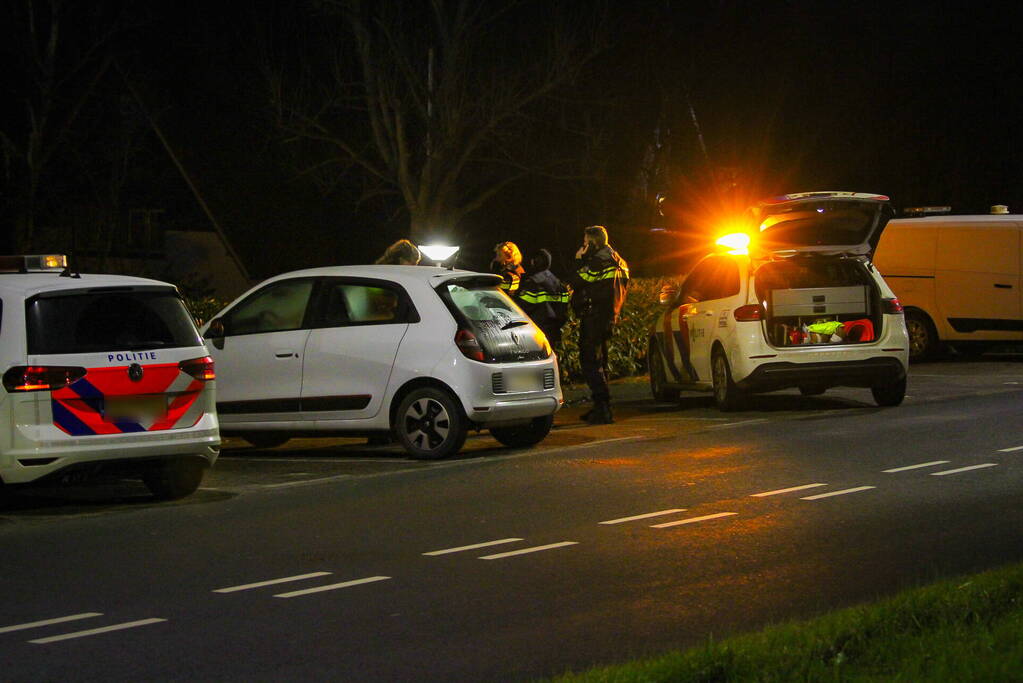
(203, 309)
(628, 347)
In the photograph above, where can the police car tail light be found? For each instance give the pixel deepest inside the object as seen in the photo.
(200, 368)
(41, 377)
(469, 346)
(749, 313)
(893, 306)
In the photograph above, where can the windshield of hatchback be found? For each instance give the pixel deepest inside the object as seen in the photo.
(116, 319)
(823, 223)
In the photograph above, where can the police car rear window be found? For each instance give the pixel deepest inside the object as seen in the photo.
(114, 319)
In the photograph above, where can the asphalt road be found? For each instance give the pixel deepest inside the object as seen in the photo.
(334, 560)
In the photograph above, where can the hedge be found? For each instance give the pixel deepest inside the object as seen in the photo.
(626, 351)
(628, 347)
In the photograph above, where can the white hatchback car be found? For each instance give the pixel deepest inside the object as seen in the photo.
(423, 354)
(803, 307)
(101, 373)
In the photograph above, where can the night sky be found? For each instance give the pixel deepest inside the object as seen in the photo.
(919, 102)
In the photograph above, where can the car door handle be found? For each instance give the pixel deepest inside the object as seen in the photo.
(1001, 286)
(286, 353)
(709, 314)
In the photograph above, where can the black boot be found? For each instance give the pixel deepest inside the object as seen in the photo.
(600, 415)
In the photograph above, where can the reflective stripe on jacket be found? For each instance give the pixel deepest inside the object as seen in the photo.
(600, 281)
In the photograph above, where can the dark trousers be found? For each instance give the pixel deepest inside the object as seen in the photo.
(594, 334)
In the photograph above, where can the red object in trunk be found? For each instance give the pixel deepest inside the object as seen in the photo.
(859, 330)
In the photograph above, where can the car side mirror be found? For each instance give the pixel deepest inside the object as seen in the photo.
(216, 332)
(667, 295)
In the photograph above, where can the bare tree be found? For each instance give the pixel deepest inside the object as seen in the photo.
(57, 54)
(432, 101)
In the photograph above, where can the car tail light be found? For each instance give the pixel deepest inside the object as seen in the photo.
(749, 313)
(41, 377)
(200, 368)
(469, 346)
(892, 306)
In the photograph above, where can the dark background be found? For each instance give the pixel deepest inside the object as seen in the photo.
(919, 102)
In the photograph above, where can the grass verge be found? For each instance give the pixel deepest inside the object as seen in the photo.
(968, 629)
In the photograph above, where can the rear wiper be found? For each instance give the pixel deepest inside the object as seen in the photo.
(514, 323)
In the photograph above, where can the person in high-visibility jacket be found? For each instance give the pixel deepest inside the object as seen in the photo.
(508, 264)
(600, 282)
(544, 297)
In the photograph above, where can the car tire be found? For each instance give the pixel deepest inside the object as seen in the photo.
(658, 380)
(174, 479)
(923, 336)
(266, 440)
(430, 424)
(889, 395)
(812, 391)
(524, 436)
(727, 395)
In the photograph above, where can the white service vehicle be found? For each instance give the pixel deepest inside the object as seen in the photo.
(796, 304)
(421, 353)
(101, 373)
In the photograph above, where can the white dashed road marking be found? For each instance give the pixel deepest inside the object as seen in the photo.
(788, 490)
(839, 493)
(645, 516)
(333, 586)
(97, 631)
(915, 467)
(1010, 450)
(271, 582)
(692, 520)
(534, 549)
(730, 425)
(474, 546)
(48, 622)
(964, 469)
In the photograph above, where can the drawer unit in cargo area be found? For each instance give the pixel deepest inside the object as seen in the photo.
(805, 303)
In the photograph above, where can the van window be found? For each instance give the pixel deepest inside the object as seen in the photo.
(116, 319)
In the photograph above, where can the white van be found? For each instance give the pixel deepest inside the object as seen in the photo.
(958, 278)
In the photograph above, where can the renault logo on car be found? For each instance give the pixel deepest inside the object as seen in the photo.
(135, 372)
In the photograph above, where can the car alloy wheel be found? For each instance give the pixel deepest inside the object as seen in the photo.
(727, 395)
(427, 423)
(430, 424)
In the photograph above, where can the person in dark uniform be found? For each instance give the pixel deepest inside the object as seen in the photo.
(544, 297)
(508, 264)
(600, 281)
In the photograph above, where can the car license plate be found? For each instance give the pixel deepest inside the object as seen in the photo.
(135, 408)
(523, 381)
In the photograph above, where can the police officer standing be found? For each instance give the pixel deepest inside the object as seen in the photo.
(544, 297)
(508, 264)
(600, 282)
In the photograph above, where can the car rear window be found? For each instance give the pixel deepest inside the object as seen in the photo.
(504, 331)
(114, 319)
(820, 224)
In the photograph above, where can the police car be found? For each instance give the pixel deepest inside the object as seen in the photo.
(793, 302)
(418, 353)
(101, 373)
